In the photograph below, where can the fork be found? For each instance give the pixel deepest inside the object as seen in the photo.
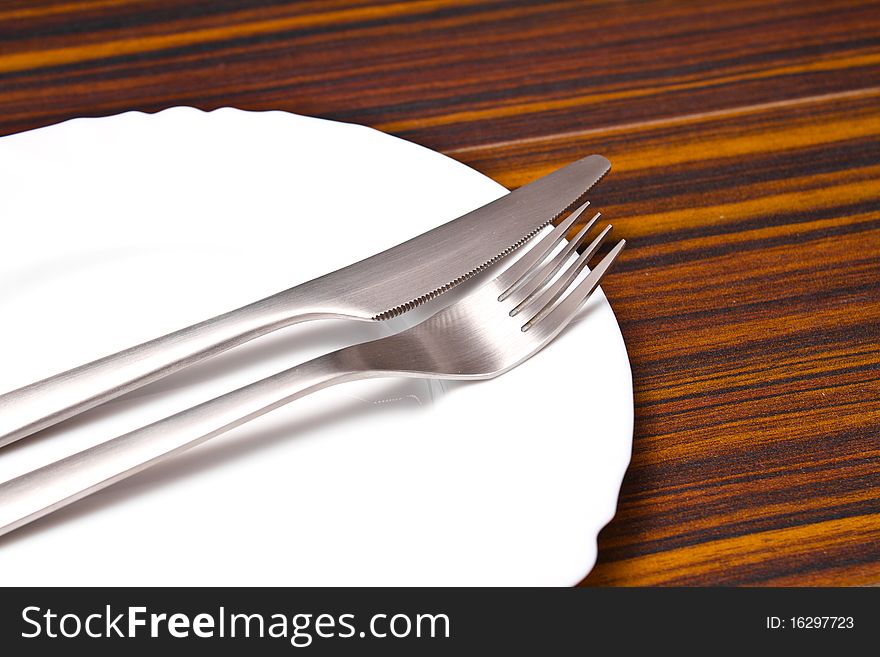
(492, 330)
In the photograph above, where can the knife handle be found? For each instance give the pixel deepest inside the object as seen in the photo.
(42, 404)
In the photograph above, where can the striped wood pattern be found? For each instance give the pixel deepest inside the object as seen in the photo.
(745, 138)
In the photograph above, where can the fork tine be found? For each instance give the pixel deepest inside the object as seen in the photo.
(538, 282)
(519, 271)
(560, 313)
(558, 288)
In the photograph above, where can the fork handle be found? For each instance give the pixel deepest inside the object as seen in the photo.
(57, 398)
(42, 491)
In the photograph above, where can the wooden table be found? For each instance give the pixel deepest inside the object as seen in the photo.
(745, 138)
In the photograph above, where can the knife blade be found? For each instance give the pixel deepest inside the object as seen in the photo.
(396, 280)
(374, 289)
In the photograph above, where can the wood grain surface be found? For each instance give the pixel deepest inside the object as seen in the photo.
(745, 139)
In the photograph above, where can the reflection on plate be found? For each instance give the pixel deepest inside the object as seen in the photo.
(120, 229)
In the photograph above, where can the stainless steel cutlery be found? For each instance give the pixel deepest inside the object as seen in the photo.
(492, 329)
(382, 286)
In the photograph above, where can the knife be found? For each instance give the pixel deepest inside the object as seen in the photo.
(378, 288)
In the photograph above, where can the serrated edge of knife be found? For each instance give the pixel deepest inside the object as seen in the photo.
(415, 303)
(396, 311)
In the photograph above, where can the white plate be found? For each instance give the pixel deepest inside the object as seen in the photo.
(119, 229)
